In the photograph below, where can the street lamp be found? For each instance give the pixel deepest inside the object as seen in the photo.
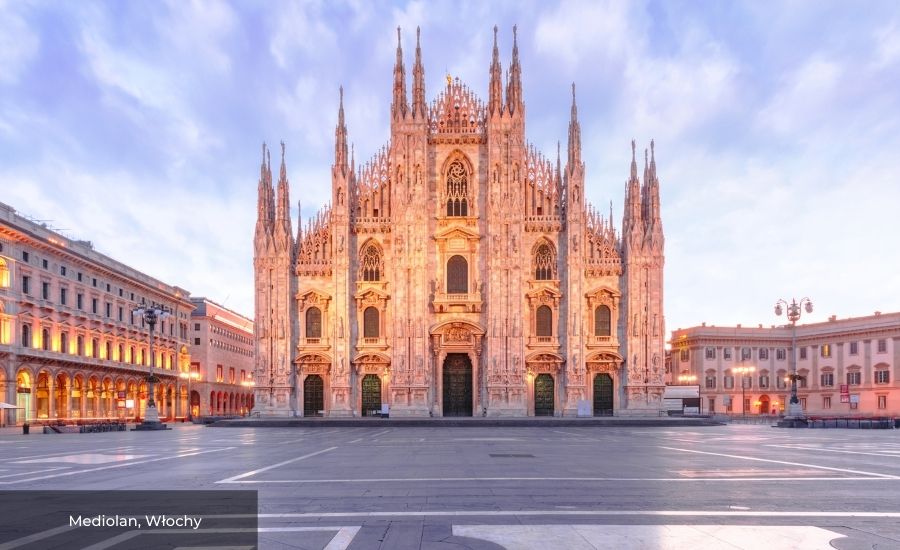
(744, 372)
(189, 376)
(795, 411)
(151, 314)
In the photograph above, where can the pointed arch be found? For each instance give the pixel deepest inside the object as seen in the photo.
(457, 173)
(543, 257)
(371, 261)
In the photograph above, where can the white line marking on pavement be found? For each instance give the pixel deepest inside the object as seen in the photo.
(661, 513)
(35, 537)
(234, 479)
(111, 466)
(380, 434)
(30, 472)
(818, 449)
(579, 479)
(340, 541)
(846, 470)
(44, 455)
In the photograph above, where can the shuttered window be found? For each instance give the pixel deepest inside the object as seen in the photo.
(370, 323)
(313, 323)
(602, 326)
(544, 321)
(457, 275)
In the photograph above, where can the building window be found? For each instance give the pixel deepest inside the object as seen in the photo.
(108, 287)
(825, 350)
(25, 256)
(45, 340)
(196, 326)
(132, 358)
(63, 295)
(781, 354)
(854, 348)
(826, 379)
(26, 336)
(544, 263)
(764, 353)
(882, 402)
(854, 378)
(882, 377)
(726, 354)
(26, 284)
(79, 301)
(457, 190)
(803, 353)
(313, 323)
(109, 311)
(95, 348)
(121, 314)
(370, 263)
(543, 321)
(45, 290)
(729, 381)
(45, 264)
(746, 354)
(710, 381)
(602, 324)
(457, 275)
(62, 270)
(684, 355)
(826, 402)
(121, 350)
(231, 375)
(801, 383)
(371, 322)
(710, 353)
(79, 276)
(780, 382)
(108, 351)
(94, 305)
(882, 346)
(220, 375)
(64, 342)
(764, 381)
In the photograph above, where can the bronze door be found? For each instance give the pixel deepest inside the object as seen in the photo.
(543, 395)
(457, 380)
(603, 395)
(313, 395)
(371, 395)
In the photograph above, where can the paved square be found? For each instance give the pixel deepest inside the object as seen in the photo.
(369, 487)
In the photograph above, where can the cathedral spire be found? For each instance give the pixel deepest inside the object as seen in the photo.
(299, 223)
(399, 105)
(282, 208)
(418, 107)
(574, 134)
(495, 99)
(340, 136)
(514, 86)
(632, 219)
(645, 206)
(264, 190)
(654, 216)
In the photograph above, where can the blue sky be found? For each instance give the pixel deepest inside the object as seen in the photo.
(137, 125)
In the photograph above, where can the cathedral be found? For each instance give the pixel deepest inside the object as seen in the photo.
(459, 272)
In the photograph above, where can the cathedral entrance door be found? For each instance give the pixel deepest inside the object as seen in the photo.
(457, 381)
(543, 395)
(313, 395)
(371, 395)
(603, 395)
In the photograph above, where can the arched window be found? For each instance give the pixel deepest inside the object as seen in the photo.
(79, 343)
(64, 342)
(457, 275)
(121, 351)
(26, 336)
(370, 263)
(544, 264)
(313, 323)
(95, 348)
(45, 339)
(108, 351)
(457, 189)
(544, 321)
(602, 325)
(131, 356)
(370, 322)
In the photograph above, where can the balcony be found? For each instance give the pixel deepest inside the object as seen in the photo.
(457, 303)
(543, 342)
(370, 344)
(602, 341)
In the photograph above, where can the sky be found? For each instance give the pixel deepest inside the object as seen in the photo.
(138, 126)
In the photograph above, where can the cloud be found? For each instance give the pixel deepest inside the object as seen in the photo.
(803, 97)
(300, 30)
(19, 44)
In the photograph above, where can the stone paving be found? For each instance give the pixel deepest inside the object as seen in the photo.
(364, 487)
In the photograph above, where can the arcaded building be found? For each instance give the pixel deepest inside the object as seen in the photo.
(222, 351)
(459, 271)
(849, 367)
(70, 347)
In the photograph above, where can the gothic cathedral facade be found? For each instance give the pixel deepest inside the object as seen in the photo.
(459, 272)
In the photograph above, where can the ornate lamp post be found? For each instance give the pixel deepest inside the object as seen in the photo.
(744, 372)
(151, 315)
(795, 414)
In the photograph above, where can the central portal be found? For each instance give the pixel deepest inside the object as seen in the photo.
(457, 381)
